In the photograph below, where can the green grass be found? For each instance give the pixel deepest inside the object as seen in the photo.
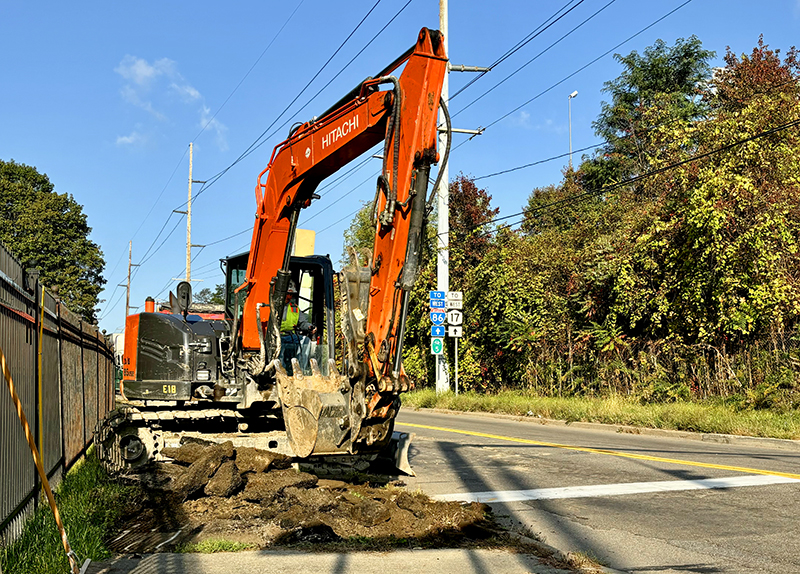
(704, 417)
(90, 504)
(213, 545)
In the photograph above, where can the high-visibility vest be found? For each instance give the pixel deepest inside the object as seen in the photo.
(291, 314)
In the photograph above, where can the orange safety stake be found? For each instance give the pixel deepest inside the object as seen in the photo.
(73, 559)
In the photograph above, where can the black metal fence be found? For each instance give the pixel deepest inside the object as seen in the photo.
(64, 388)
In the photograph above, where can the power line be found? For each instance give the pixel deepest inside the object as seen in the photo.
(590, 63)
(629, 136)
(206, 125)
(250, 70)
(255, 145)
(612, 187)
(519, 45)
(536, 57)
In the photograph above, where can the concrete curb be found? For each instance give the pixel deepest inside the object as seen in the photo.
(737, 440)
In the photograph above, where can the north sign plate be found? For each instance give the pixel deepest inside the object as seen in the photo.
(437, 317)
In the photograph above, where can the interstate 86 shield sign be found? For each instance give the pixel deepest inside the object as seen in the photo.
(437, 317)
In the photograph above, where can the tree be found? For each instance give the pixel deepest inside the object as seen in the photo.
(48, 231)
(207, 296)
(360, 236)
(669, 78)
(717, 260)
(470, 212)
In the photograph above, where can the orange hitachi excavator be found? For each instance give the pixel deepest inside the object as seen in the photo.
(262, 365)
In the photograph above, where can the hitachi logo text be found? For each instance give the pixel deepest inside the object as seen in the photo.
(337, 133)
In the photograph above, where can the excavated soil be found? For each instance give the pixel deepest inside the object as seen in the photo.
(216, 491)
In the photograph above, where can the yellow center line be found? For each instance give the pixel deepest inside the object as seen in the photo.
(609, 452)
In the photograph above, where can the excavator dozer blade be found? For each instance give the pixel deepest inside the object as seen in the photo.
(400, 443)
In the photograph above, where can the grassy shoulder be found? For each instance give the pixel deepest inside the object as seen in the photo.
(90, 504)
(704, 417)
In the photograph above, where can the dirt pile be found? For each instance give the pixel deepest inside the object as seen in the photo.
(256, 497)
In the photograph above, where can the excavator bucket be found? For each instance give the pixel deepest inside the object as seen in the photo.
(321, 412)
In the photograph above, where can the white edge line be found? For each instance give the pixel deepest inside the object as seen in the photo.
(616, 489)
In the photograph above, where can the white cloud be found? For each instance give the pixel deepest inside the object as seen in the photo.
(159, 86)
(209, 122)
(145, 82)
(141, 73)
(133, 139)
(523, 119)
(187, 92)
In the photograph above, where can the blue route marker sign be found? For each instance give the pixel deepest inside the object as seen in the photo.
(437, 331)
(437, 317)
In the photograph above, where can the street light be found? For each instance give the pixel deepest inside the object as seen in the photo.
(572, 95)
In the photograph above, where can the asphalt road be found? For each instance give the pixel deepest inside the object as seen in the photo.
(637, 503)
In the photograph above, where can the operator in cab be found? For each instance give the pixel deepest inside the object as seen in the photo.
(295, 332)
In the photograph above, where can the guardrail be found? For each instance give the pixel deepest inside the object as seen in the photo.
(63, 371)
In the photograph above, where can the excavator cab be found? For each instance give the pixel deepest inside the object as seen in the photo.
(313, 277)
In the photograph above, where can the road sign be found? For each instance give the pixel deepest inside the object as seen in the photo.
(455, 317)
(454, 304)
(454, 331)
(437, 331)
(437, 303)
(437, 345)
(437, 317)
(437, 295)
(455, 295)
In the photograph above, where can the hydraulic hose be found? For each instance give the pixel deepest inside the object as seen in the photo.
(446, 157)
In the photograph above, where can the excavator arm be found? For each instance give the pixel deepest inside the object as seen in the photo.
(405, 118)
(328, 412)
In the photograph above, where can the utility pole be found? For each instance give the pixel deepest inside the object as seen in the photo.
(128, 285)
(443, 193)
(189, 221)
(443, 201)
(572, 95)
(188, 214)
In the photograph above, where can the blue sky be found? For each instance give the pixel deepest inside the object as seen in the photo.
(105, 97)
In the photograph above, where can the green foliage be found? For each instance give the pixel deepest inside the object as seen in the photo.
(679, 285)
(360, 236)
(90, 504)
(215, 297)
(699, 416)
(667, 78)
(214, 545)
(48, 231)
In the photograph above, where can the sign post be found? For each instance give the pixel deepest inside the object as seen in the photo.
(454, 303)
(438, 330)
